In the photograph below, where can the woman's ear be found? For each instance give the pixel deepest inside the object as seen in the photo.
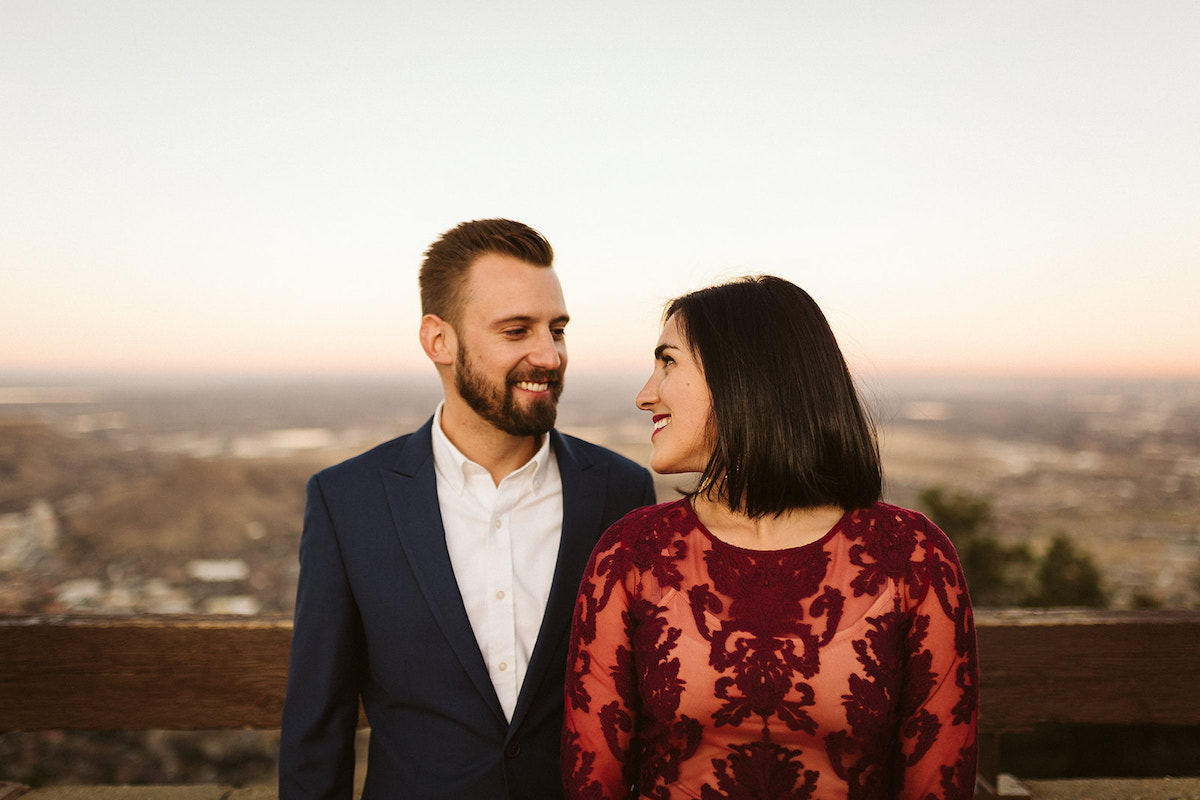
(438, 340)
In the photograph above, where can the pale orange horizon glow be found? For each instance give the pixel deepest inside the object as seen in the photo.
(972, 189)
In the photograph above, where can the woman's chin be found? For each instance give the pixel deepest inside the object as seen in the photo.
(665, 467)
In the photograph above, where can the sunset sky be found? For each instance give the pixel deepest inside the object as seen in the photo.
(966, 188)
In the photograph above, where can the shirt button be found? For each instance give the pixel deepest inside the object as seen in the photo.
(500, 595)
(503, 666)
(498, 523)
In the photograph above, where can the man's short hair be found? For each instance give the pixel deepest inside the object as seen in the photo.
(790, 430)
(443, 275)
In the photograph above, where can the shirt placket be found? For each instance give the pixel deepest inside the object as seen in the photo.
(500, 599)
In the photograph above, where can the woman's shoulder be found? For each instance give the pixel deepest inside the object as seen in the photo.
(648, 518)
(887, 517)
(894, 525)
(649, 526)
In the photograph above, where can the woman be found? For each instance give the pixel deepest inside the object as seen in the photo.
(778, 632)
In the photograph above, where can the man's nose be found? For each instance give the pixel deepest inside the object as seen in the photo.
(548, 352)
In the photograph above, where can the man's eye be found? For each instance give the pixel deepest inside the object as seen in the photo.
(514, 333)
(558, 333)
(666, 360)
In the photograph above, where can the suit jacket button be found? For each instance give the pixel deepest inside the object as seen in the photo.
(513, 749)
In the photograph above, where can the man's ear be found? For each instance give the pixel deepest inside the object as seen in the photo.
(438, 340)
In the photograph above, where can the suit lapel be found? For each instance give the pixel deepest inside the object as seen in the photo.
(411, 487)
(584, 487)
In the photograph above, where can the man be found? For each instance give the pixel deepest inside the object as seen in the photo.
(438, 571)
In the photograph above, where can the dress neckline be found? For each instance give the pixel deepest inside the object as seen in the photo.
(718, 541)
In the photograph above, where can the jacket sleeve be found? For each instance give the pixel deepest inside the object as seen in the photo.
(940, 695)
(320, 712)
(648, 493)
(600, 710)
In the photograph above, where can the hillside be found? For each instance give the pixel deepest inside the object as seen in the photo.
(127, 518)
(37, 461)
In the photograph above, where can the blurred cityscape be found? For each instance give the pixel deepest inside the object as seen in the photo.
(187, 497)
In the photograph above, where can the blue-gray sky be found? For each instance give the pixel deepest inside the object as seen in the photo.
(993, 188)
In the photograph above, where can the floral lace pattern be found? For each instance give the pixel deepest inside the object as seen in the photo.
(844, 668)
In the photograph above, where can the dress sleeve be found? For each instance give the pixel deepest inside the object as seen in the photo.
(601, 706)
(940, 699)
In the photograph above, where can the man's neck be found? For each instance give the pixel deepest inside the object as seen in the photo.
(482, 442)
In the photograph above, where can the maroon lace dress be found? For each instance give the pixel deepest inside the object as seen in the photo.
(841, 669)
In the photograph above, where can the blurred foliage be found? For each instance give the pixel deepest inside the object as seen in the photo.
(1003, 575)
(1067, 576)
(1145, 601)
(138, 758)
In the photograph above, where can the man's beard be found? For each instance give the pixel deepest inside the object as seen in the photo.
(498, 404)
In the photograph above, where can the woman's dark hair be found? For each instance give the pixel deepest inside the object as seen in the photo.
(790, 431)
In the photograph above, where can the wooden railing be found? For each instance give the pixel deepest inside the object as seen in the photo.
(191, 673)
(1083, 668)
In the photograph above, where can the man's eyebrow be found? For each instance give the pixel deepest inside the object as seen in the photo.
(527, 319)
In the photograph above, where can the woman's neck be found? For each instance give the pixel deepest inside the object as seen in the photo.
(793, 528)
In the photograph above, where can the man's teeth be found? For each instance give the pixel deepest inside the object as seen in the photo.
(532, 387)
(662, 423)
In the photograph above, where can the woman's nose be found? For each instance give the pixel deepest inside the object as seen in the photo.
(648, 396)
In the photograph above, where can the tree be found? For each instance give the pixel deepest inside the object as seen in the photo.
(1067, 576)
(1145, 600)
(963, 516)
(997, 574)
(1010, 575)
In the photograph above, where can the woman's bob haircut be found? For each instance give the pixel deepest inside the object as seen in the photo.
(790, 431)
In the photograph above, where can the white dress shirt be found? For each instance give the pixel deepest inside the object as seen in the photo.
(503, 544)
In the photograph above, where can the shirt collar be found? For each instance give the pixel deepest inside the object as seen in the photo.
(454, 467)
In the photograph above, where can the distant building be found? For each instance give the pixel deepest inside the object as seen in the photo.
(27, 538)
(218, 570)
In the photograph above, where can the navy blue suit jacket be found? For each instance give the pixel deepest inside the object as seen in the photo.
(379, 616)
